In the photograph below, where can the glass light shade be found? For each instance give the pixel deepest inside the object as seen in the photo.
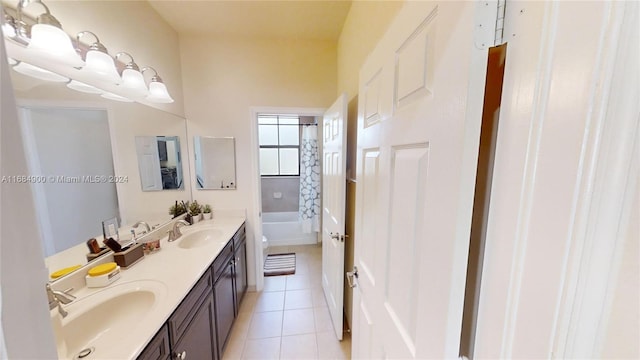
(39, 73)
(82, 87)
(133, 83)
(112, 96)
(100, 66)
(12, 61)
(158, 93)
(55, 44)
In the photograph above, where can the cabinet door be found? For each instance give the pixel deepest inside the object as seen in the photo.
(158, 348)
(198, 342)
(240, 273)
(224, 304)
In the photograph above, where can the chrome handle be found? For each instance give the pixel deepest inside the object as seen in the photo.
(336, 237)
(351, 275)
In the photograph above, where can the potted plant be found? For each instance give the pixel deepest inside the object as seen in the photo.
(207, 211)
(177, 210)
(195, 210)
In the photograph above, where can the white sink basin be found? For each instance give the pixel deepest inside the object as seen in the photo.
(102, 319)
(201, 237)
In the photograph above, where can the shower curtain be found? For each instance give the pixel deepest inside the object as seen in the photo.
(309, 180)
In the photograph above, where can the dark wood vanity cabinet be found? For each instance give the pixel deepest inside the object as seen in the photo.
(200, 326)
(158, 348)
(240, 266)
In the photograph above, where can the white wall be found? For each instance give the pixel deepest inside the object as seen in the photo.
(25, 316)
(224, 77)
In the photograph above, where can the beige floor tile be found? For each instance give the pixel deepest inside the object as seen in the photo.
(265, 324)
(301, 268)
(274, 283)
(298, 299)
(296, 322)
(278, 249)
(299, 347)
(249, 302)
(262, 349)
(322, 319)
(241, 326)
(317, 296)
(330, 348)
(270, 301)
(302, 281)
(234, 349)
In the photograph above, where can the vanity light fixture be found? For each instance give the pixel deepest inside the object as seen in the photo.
(133, 82)
(99, 64)
(38, 72)
(82, 87)
(12, 61)
(48, 39)
(157, 90)
(112, 96)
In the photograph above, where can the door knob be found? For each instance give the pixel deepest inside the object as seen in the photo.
(337, 237)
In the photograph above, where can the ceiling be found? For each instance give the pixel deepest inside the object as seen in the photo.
(297, 19)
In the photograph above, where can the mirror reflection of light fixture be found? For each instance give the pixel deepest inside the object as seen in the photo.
(133, 83)
(48, 39)
(12, 61)
(38, 72)
(82, 87)
(99, 64)
(157, 90)
(8, 25)
(112, 96)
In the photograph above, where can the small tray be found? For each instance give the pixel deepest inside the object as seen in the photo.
(128, 257)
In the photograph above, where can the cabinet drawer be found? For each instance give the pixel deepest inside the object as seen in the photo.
(181, 318)
(222, 260)
(158, 348)
(239, 236)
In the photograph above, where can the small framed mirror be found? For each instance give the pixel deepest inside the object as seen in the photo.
(215, 162)
(159, 162)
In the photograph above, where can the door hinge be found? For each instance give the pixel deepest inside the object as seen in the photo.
(489, 23)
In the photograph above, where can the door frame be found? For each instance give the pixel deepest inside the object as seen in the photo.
(254, 214)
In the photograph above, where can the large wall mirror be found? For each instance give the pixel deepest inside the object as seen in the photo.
(82, 150)
(215, 162)
(160, 163)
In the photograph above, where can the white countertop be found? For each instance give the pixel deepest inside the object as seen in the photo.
(178, 269)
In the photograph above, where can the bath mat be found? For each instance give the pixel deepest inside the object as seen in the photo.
(280, 264)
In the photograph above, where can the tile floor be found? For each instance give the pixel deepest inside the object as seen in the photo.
(289, 319)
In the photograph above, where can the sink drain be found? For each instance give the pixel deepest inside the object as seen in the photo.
(85, 352)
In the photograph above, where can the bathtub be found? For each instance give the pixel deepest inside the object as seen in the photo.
(284, 228)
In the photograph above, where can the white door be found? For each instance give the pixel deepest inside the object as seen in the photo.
(420, 105)
(334, 131)
(149, 163)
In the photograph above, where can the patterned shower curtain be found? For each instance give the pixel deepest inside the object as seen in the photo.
(309, 180)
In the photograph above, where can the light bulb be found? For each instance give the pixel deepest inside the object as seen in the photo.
(158, 93)
(54, 44)
(100, 66)
(133, 84)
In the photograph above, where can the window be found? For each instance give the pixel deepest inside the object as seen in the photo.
(279, 139)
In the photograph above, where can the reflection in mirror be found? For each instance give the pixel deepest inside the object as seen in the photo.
(55, 111)
(215, 162)
(159, 162)
(69, 154)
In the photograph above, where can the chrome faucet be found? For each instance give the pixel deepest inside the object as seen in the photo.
(57, 298)
(174, 234)
(135, 226)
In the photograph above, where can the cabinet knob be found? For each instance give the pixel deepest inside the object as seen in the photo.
(182, 355)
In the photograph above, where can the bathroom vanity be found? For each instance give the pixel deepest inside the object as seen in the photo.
(212, 304)
(178, 303)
